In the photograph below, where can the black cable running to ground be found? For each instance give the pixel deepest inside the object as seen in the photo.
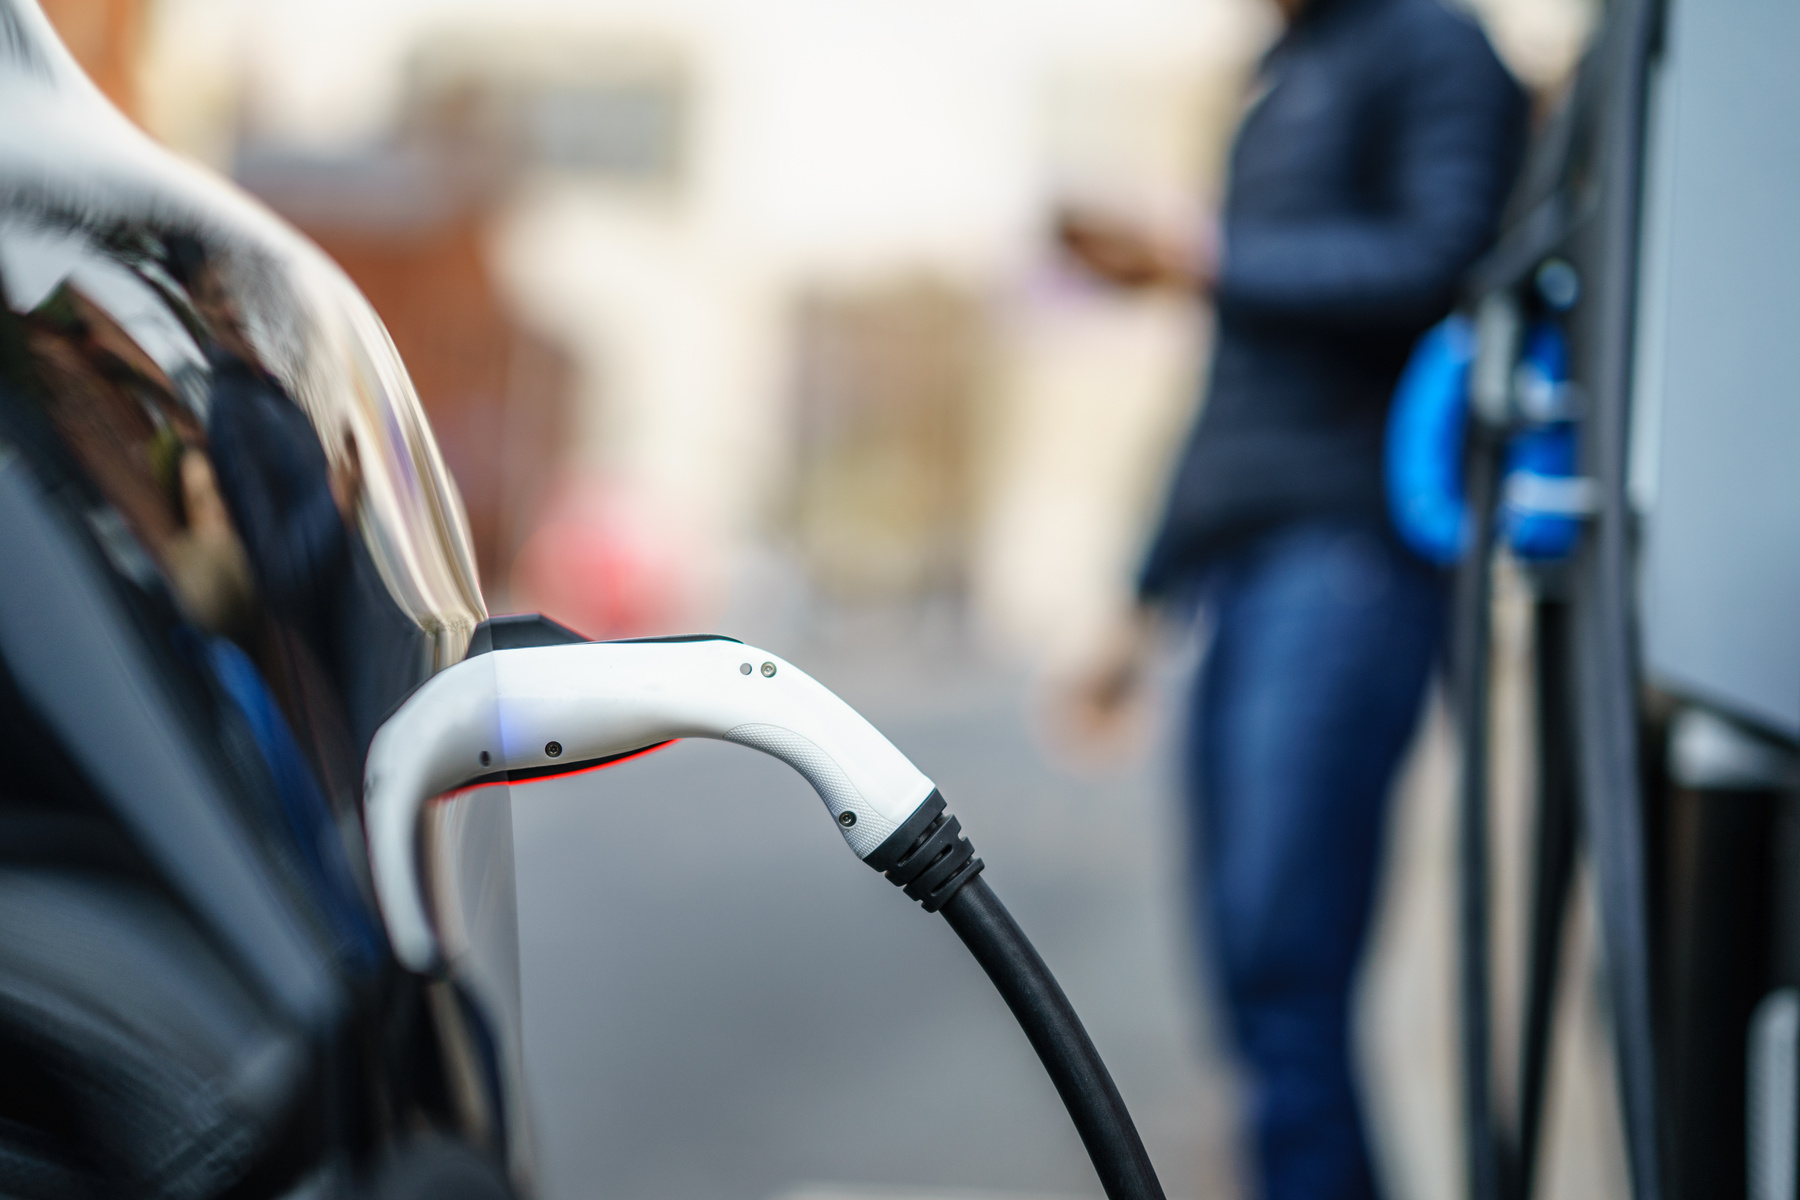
(934, 864)
(1056, 1033)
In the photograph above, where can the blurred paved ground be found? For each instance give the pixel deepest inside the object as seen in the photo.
(721, 1003)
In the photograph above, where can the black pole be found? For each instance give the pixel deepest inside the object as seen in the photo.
(1469, 662)
(1723, 931)
(1602, 608)
(1553, 873)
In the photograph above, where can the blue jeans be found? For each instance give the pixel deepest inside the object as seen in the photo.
(1324, 637)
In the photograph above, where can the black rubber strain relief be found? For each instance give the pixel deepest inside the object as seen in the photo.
(891, 851)
(927, 856)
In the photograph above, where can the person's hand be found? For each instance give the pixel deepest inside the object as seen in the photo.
(1100, 704)
(346, 479)
(1129, 257)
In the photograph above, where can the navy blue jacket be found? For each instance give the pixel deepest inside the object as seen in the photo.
(1366, 179)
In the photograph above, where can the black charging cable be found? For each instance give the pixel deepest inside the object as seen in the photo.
(1055, 1032)
(930, 859)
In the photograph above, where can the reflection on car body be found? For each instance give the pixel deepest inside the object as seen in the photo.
(228, 548)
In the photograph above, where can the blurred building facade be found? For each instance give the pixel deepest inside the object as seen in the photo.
(656, 267)
(792, 261)
(888, 401)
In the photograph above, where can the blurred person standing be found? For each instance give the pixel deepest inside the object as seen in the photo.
(1368, 174)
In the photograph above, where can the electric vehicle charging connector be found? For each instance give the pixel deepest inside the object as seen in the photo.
(542, 709)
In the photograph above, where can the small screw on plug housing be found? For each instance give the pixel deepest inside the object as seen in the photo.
(846, 818)
(768, 670)
(745, 669)
(553, 749)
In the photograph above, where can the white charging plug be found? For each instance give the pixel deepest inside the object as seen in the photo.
(539, 708)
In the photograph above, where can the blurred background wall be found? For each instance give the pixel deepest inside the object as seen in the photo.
(721, 306)
(710, 300)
